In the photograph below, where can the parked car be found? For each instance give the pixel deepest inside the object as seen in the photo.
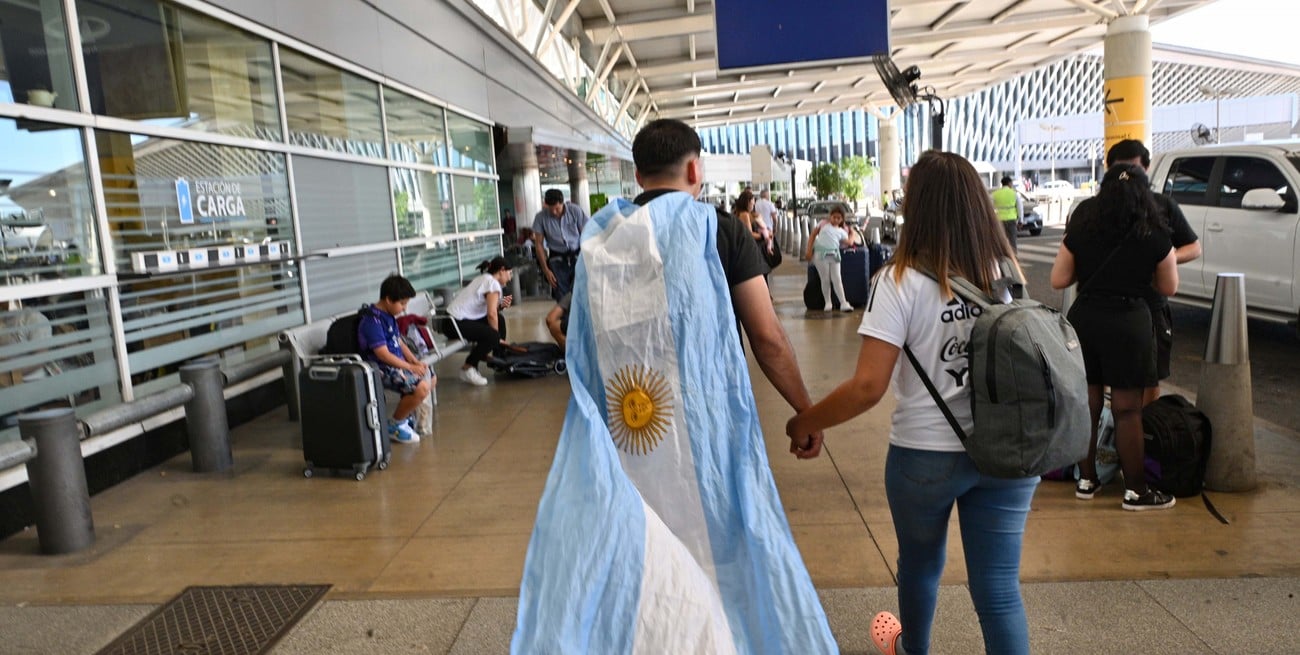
(1054, 190)
(820, 210)
(1241, 200)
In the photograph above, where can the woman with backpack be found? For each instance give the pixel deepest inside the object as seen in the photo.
(952, 229)
(1116, 247)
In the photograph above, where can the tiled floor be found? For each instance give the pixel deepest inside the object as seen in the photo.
(452, 516)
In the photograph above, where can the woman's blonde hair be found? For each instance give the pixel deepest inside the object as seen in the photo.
(951, 226)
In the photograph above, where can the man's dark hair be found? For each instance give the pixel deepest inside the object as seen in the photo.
(396, 288)
(663, 145)
(1006, 180)
(1126, 150)
(553, 197)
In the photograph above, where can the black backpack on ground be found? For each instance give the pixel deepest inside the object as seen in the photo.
(540, 360)
(342, 336)
(1177, 445)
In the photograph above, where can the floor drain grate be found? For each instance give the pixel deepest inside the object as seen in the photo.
(244, 620)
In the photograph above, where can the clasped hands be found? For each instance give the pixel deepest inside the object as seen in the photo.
(804, 443)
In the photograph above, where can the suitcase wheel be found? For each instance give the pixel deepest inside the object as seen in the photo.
(361, 475)
(306, 473)
(359, 472)
(383, 464)
(561, 367)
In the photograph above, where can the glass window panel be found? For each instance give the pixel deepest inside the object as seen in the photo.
(342, 203)
(56, 351)
(475, 251)
(342, 284)
(151, 60)
(471, 144)
(422, 203)
(47, 219)
(1241, 174)
(35, 67)
(328, 108)
(476, 204)
(416, 129)
(431, 267)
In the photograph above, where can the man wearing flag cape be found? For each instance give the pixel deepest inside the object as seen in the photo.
(660, 529)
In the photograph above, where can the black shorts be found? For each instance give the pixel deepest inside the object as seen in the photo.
(1118, 349)
(1162, 325)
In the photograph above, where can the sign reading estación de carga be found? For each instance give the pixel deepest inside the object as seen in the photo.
(210, 200)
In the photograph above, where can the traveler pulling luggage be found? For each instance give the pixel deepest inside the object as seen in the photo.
(343, 412)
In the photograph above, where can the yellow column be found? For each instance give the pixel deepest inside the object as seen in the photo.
(1126, 75)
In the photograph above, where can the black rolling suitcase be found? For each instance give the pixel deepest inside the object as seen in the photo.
(812, 292)
(856, 275)
(343, 414)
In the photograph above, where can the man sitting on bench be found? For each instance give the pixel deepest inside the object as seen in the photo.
(400, 369)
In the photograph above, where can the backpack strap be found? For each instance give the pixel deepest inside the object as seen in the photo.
(934, 393)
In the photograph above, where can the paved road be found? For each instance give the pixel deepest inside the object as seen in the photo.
(1274, 348)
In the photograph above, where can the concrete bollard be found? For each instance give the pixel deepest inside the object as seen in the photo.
(1224, 391)
(205, 417)
(57, 478)
(875, 236)
(805, 231)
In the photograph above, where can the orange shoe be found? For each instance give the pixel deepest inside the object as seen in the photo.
(885, 630)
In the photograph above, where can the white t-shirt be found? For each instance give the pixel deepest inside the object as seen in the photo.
(767, 210)
(912, 311)
(828, 240)
(469, 303)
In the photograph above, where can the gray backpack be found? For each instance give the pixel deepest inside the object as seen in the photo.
(1029, 392)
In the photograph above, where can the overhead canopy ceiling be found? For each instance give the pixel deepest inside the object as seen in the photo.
(663, 52)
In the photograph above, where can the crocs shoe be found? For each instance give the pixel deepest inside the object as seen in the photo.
(885, 630)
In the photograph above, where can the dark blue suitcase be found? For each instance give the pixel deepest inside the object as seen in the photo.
(856, 275)
(879, 255)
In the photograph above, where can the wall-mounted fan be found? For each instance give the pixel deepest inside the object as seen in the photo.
(1201, 134)
(901, 85)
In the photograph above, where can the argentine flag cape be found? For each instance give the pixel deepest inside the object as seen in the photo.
(660, 530)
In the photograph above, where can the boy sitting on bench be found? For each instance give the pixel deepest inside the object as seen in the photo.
(381, 343)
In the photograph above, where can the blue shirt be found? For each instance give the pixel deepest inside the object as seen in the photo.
(563, 234)
(378, 328)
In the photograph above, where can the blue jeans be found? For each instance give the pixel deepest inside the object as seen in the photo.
(922, 487)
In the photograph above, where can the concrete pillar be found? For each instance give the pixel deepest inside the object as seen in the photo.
(1224, 392)
(579, 190)
(1126, 80)
(57, 478)
(890, 171)
(205, 417)
(527, 182)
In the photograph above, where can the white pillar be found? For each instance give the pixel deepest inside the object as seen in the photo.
(1126, 75)
(890, 173)
(527, 183)
(579, 189)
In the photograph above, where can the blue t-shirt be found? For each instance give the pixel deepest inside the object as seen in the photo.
(378, 328)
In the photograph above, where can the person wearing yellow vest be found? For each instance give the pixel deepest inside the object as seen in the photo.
(1007, 204)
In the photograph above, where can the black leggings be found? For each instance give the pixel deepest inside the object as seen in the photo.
(478, 332)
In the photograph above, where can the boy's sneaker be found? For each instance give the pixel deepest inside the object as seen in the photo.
(1152, 499)
(402, 433)
(472, 376)
(1085, 489)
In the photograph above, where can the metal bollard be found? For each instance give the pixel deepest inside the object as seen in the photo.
(57, 478)
(1224, 391)
(875, 236)
(205, 417)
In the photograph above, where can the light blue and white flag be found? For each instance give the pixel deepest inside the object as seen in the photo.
(660, 529)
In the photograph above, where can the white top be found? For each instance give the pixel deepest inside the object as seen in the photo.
(913, 312)
(767, 210)
(469, 303)
(829, 239)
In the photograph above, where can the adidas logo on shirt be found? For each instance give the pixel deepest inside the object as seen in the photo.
(959, 311)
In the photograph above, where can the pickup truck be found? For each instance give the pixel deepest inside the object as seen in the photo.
(1241, 200)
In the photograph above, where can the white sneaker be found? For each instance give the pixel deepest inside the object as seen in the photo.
(472, 376)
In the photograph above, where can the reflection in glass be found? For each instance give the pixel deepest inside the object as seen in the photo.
(471, 144)
(430, 267)
(476, 204)
(232, 197)
(422, 203)
(35, 67)
(476, 251)
(328, 108)
(151, 60)
(56, 351)
(416, 132)
(47, 220)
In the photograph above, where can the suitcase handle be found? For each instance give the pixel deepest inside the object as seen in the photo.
(326, 373)
(372, 415)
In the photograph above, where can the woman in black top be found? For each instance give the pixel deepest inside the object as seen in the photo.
(1117, 247)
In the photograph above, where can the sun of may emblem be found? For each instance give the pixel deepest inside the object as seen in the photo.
(639, 408)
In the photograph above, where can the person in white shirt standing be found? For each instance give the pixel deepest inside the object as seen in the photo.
(952, 229)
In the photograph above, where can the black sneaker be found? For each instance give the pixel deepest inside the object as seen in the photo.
(1085, 489)
(1152, 499)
